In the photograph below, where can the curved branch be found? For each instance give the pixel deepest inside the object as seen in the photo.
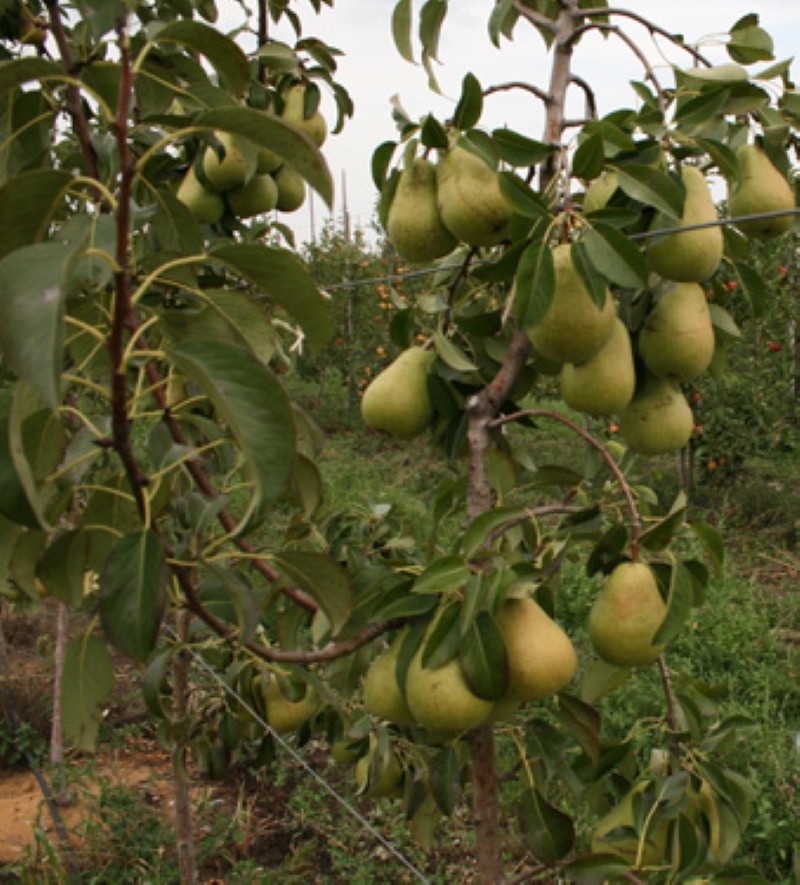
(518, 84)
(591, 100)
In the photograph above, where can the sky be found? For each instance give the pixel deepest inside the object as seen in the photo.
(373, 71)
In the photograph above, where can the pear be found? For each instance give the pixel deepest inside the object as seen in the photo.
(390, 773)
(234, 166)
(626, 615)
(658, 419)
(291, 189)
(285, 715)
(574, 327)
(206, 206)
(627, 846)
(604, 384)
(600, 192)
(397, 400)
(693, 256)
(294, 111)
(677, 338)
(541, 657)
(471, 204)
(258, 196)
(413, 225)
(762, 189)
(267, 161)
(382, 694)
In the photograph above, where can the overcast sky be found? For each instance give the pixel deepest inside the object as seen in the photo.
(373, 72)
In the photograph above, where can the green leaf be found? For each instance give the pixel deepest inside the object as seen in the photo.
(723, 322)
(444, 639)
(583, 723)
(750, 44)
(484, 659)
(133, 594)
(322, 577)
(155, 689)
(548, 832)
(445, 779)
(754, 287)
(222, 52)
(715, 74)
(679, 605)
(433, 134)
(470, 105)
(589, 158)
(601, 678)
(87, 687)
(651, 187)
(659, 535)
(596, 284)
(519, 150)
(32, 316)
(15, 503)
(273, 132)
(485, 525)
(282, 277)
(253, 404)
(502, 20)
(401, 29)
(447, 573)
(16, 72)
(521, 196)
(452, 354)
(597, 868)
(247, 318)
(712, 542)
(535, 284)
(431, 17)
(723, 157)
(615, 256)
(63, 566)
(27, 204)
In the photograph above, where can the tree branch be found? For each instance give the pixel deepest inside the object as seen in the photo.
(518, 84)
(534, 17)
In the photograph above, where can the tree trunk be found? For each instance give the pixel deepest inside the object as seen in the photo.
(183, 806)
(486, 807)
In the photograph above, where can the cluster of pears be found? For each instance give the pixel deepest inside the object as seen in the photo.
(246, 180)
(436, 206)
(541, 662)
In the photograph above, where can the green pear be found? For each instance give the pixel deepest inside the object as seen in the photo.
(762, 189)
(471, 204)
(285, 715)
(206, 206)
(604, 384)
(267, 161)
(658, 419)
(626, 846)
(541, 657)
(397, 400)
(574, 327)
(677, 338)
(291, 189)
(600, 191)
(413, 224)
(233, 166)
(382, 694)
(692, 256)
(258, 196)
(626, 615)
(390, 773)
(294, 111)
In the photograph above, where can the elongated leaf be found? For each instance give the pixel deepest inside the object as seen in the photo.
(16, 72)
(535, 284)
(273, 132)
(27, 204)
(448, 573)
(133, 594)
(615, 256)
(502, 20)
(451, 354)
(484, 659)
(651, 187)
(15, 503)
(63, 565)
(724, 324)
(87, 686)
(519, 150)
(521, 197)
(582, 721)
(589, 157)
(470, 105)
(324, 579)
(486, 524)
(431, 17)
(249, 320)
(548, 832)
(752, 282)
(595, 283)
(712, 543)
(32, 315)
(444, 639)
(282, 277)
(222, 52)
(401, 29)
(445, 779)
(252, 402)
(679, 605)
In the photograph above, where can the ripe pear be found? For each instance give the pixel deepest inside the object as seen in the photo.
(626, 615)
(677, 338)
(627, 846)
(541, 657)
(471, 204)
(604, 384)
(234, 166)
(693, 256)
(284, 714)
(382, 694)
(574, 327)
(413, 225)
(658, 419)
(291, 189)
(258, 196)
(294, 111)
(600, 192)
(206, 206)
(397, 400)
(762, 189)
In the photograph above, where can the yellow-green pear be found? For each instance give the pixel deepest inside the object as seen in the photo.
(291, 189)
(206, 206)
(762, 189)
(234, 165)
(626, 615)
(390, 775)
(284, 714)
(653, 846)
(604, 384)
(658, 419)
(413, 224)
(677, 338)
(294, 111)
(574, 328)
(382, 694)
(258, 196)
(471, 204)
(694, 255)
(397, 400)
(267, 161)
(541, 657)
(600, 191)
